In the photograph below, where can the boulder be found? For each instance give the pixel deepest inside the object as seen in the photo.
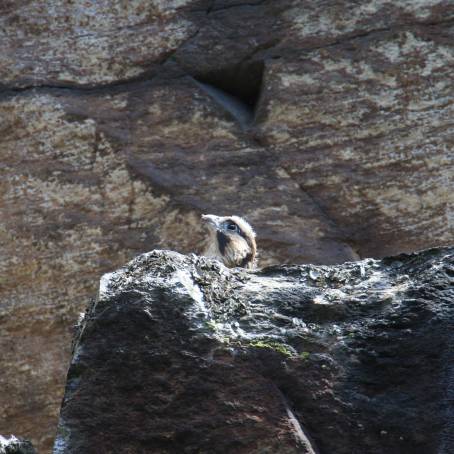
(180, 354)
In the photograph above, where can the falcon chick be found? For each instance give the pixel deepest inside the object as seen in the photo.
(231, 240)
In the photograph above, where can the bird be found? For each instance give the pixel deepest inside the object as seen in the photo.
(231, 240)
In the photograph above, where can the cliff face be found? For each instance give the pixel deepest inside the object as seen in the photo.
(329, 125)
(180, 354)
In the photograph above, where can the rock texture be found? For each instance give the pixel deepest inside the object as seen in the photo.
(180, 354)
(329, 125)
(14, 445)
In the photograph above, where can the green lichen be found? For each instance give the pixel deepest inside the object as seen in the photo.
(304, 355)
(212, 325)
(272, 345)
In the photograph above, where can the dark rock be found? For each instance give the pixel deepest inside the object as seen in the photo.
(14, 445)
(179, 354)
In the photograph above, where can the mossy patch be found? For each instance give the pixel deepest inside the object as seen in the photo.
(272, 345)
(211, 325)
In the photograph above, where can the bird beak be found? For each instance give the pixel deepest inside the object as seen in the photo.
(212, 221)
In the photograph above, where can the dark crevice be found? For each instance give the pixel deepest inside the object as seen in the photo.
(242, 81)
(237, 88)
(237, 109)
(223, 6)
(216, 5)
(146, 76)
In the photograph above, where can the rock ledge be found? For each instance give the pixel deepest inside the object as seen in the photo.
(180, 354)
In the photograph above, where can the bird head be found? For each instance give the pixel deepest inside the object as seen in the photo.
(231, 240)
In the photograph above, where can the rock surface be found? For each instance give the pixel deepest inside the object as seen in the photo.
(180, 354)
(329, 125)
(14, 445)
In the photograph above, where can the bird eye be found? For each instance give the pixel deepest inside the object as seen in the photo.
(232, 227)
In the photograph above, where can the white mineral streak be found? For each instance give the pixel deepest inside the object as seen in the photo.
(299, 432)
(184, 278)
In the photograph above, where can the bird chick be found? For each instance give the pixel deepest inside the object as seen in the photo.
(231, 240)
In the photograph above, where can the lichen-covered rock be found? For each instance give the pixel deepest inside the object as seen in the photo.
(180, 354)
(14, 445)
(79, 43)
